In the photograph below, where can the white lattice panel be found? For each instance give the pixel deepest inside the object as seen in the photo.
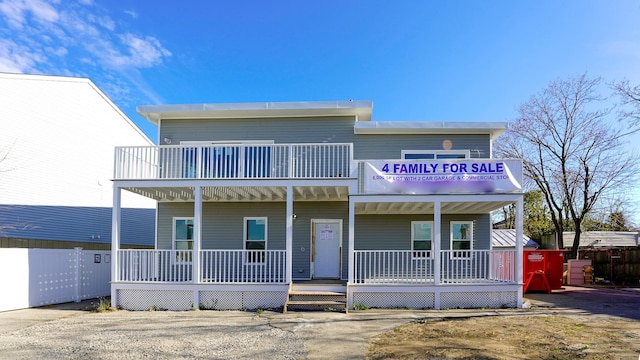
(141, 300)
(239, 300)
(412, 300)
(264, 300)
(221, 300)
(489, 299)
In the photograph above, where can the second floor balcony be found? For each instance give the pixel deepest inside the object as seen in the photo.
(241, 161)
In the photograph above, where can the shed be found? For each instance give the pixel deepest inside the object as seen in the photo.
(506, 238)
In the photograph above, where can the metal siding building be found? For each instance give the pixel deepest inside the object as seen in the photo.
(57, 144)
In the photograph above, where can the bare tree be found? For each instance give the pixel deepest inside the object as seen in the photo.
(571, 150)
(630, 100)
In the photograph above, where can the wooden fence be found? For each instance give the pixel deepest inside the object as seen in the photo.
(615, 266)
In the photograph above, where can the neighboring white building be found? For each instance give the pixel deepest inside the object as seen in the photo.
(57, 142)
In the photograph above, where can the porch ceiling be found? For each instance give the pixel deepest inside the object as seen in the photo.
(377, 208)
(243, 193)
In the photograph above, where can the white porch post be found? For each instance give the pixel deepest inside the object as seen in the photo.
(115, 241)
(352, 232)
(197, 233)
(289, 233)
(519, 237)
(437, 239)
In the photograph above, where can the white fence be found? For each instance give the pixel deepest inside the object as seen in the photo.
(251, 161)
(37, 277)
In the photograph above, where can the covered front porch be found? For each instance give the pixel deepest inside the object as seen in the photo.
(220, 278)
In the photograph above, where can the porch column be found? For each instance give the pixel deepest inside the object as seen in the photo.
(437, 239)
(519, 252)
(289, 234)
(352, 232)
(115, 240)
(197, 234)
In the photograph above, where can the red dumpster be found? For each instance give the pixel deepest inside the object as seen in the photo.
(543, 270)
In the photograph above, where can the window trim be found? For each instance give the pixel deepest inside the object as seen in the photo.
(174, 240)
(244, 239)
(413, 240)
(452, 253)
(465, 153)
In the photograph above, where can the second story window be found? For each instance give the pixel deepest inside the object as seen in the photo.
(434, 154)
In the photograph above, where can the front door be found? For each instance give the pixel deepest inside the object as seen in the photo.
(326, 238)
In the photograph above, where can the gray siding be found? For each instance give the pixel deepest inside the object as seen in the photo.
(75, 224)
(393, 232)
(318, 130)
(305, 212)
(223, 223)
(222, 226)
(287, 130)
(389, 146)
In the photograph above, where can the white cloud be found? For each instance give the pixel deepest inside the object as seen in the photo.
(17, 11)
(16, 58)
(131, 13)
(77, 37)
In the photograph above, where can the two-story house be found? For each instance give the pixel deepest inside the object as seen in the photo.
(266, 205)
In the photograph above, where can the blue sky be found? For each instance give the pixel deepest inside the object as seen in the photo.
(416, 60)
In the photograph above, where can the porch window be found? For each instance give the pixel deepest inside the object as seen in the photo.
(255, 239)
(434, 154)
(421, 235)
(183, 239)
(461, 238)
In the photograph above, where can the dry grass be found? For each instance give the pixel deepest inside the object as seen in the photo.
(511, 337)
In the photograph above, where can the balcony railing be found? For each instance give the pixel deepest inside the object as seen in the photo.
(216, 266)
(417, 267)
(247, 161)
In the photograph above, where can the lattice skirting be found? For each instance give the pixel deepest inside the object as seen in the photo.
(238, 300)
(141, 300)
(433, 298)
(180, 300)
(411, 300)
(489, 299)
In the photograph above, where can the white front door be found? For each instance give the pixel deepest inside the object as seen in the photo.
(326, 238)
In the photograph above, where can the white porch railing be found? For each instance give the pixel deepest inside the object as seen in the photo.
(247, 161)
(154, 266)
(392, 267)
(456, 267)
(217, 266)
(243, 266)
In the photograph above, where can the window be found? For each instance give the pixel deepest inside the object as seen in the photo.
(255, 239)
(183, 238)
(435, 154)
(226, 159)
(421, 235)
(461, 238)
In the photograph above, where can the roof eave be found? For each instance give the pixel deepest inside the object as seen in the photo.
(358, 109)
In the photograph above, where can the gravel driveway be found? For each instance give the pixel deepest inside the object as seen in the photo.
(65, 332)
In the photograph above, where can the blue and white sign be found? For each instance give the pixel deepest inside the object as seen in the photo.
(442, 176)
